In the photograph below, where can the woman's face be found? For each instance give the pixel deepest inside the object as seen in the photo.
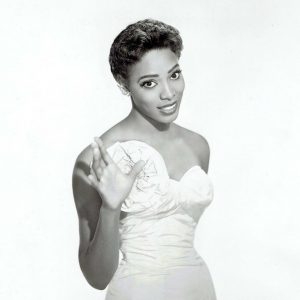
(156, 85)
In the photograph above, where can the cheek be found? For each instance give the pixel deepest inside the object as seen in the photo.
(180, 85)
(143, 99)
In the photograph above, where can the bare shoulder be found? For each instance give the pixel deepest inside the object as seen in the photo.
(199, 145)
(108, 137)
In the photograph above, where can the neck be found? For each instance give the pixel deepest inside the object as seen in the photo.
(147, 126)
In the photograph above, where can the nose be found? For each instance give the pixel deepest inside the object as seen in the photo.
(167, 92)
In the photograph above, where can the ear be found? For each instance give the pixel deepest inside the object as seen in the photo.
(122, 85)
(123, 89)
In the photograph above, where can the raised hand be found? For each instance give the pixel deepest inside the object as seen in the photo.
(106, 177)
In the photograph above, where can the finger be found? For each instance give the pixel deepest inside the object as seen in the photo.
(99, 173)
(96, 171)
(96, 151)
(93, 181)
(104, 154)
(96, 157)
(95, 166)
(92, 171)
(102, 163)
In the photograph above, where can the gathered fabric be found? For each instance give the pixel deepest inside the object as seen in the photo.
(157, 230)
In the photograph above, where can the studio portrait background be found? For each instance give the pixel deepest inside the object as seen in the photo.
(241, 67)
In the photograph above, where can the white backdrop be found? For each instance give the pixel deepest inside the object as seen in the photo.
(241, 65)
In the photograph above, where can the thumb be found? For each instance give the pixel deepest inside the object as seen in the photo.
(137, 168)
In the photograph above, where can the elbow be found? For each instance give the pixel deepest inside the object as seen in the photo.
(99, 278)
(98, 285)
(96, 282)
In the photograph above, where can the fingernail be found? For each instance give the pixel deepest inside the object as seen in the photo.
(93, 144)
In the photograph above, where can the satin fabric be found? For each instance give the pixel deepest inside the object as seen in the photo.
(157, 230)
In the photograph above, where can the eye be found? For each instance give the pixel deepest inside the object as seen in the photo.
(148, 84)
(176, 74)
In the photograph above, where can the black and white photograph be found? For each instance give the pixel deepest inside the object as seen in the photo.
(150, 150)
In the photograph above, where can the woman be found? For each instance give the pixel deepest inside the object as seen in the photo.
(142, 186)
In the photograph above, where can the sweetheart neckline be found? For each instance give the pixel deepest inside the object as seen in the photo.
(159, 154)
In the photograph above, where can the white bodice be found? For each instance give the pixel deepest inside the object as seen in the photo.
(161, 213)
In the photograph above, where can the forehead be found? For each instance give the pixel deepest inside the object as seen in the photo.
(156, 61)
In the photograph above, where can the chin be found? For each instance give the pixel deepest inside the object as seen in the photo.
(167, 119)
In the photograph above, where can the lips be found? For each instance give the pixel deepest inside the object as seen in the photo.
(168, 109)
(167, 105)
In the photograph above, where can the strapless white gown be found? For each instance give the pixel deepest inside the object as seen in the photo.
(157, 234)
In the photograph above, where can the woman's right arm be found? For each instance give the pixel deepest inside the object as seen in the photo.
(98, 228)
(99, 193)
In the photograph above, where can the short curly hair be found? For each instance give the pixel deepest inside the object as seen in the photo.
(138, 38)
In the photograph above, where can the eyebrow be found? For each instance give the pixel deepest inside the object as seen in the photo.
(156, 75)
